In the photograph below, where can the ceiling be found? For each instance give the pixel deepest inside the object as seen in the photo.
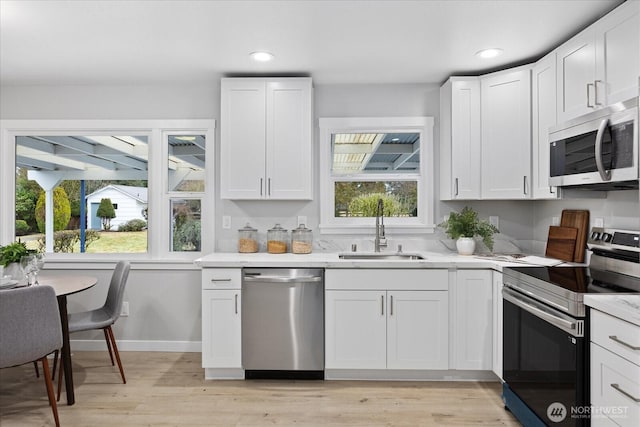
(185, 41)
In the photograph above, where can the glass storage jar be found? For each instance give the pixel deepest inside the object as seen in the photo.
(301, 240)
(247, 239)
(277, 240)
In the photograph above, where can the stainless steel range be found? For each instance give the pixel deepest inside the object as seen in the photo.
(546, 328)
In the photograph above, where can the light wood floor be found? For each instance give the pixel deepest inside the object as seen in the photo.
(168, 389)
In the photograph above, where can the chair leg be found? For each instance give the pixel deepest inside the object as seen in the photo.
(55, 364)
(49, 385)
(106, 338)
(35, 365)
(115, 351)
(60, 372)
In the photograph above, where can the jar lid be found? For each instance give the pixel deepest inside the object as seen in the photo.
(247, 228)
(302, 228)
(277, 227)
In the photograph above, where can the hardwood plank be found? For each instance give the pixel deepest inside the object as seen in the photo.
(168, 389)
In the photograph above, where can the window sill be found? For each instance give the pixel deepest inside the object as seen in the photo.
(368, 229)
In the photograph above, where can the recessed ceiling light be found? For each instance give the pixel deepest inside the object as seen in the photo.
(489, 53)
(261, 56)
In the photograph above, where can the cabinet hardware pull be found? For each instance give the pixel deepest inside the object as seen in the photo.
(456, 187)
(261, 186)
(382, 304)
(595, 91)
(269, 185)
(589, 105)
(551, 190)
(220, 280)
(236, 303)
(391, 306)
(629, 395)
(524, 184)
(619, 341)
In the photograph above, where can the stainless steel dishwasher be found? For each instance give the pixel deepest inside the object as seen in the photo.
(283, 323)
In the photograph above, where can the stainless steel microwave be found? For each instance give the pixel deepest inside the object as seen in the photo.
(598, 150)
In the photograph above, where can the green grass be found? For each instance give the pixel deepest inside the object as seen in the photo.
(109, 242)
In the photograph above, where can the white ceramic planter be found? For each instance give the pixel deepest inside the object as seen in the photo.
(466, 245)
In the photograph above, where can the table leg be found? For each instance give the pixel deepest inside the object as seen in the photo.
(66, 350)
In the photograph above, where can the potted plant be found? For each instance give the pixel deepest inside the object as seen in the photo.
(466, 225)
(10, 257)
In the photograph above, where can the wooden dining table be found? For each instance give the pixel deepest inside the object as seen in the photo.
(63, 285)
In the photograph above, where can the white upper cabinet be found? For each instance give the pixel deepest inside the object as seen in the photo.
(600, 65)
(460, 139)
(543, 106)
(266, 139)
(506, 134)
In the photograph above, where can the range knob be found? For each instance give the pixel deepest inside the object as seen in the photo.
(595, 235)
(606, 237)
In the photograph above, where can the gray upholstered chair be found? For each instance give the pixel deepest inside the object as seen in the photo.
(104, 317)
(30, 330)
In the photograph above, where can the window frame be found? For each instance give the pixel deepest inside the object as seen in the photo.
(424, 222)
(159, 197)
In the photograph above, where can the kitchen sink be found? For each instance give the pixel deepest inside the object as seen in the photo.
(381, 256)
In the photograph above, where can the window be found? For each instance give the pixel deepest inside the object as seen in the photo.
(109, 186)
(367, 159)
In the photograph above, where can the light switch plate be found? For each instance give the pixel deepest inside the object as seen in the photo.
(494, 220)
(125, 309)
(555, 220)
(226, 222)
(598, 222)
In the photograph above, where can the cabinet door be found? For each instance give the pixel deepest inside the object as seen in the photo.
(355, 330)
(543, 104)
(497, 324)
(465, 139)
(617, 38)
(221, 329)
(576, 75)
(289, 139)
(473, 320)
(506, 135)
(242, 134)
(417, 330)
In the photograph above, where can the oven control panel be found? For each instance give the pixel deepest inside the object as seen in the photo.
(609, 238)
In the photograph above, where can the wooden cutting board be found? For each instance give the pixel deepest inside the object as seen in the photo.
(561, 243)
(577, 219)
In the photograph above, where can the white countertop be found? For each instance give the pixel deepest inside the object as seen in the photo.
(331, 260)
(623, 306)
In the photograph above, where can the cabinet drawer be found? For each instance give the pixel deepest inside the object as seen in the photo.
(615, 388)
(387, 279)
(616, 335)
(221, 278)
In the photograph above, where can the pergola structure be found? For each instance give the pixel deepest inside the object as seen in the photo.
(52, 159)
(376, 152)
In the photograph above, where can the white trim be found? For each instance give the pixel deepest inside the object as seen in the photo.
(159, 218)
(424, 223)
(409, 375)
(139, 345)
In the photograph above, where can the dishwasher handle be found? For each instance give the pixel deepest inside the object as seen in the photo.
(282, 279)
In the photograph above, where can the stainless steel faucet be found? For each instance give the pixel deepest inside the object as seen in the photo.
(380, 241)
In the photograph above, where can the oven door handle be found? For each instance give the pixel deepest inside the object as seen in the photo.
(572, 327)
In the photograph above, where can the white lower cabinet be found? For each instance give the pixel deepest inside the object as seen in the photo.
(221, 321)
(472, 320)
(379, 328)
(497, 324)
(615, 371)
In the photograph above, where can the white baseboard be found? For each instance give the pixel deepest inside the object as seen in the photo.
(135, 345)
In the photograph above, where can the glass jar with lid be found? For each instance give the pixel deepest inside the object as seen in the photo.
(277, 240)
(247, 239)
(301, 240)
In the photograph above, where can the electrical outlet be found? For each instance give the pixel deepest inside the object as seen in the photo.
(494, 220)
(555, 220)
(125, 309)
(302, 219)
(226, 222)
(598, 222)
